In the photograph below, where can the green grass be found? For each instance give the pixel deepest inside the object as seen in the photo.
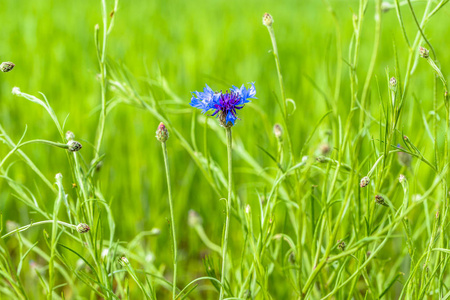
(292, 203)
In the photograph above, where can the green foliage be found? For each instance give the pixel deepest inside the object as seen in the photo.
(346, 80)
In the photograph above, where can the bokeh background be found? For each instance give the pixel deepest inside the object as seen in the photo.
(189, 43)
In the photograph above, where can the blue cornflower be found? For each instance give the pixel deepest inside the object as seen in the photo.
(223, 105)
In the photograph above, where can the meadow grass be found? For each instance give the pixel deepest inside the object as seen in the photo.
(332, 185)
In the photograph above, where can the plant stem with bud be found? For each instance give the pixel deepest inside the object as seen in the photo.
(162, 135)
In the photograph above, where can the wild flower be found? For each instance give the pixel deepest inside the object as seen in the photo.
(223, 104)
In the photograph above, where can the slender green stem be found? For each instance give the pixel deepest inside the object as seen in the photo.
(101, 60)
(227, 216)
(172, 221)
(23, 228)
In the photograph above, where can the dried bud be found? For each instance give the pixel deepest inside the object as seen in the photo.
(70, 136)
(437, 215)
(124, 261)
(74, 146)
(83, 228)
(194, 218)
(267, 20)
(380, 200)
(278, 131)
(401, 178)
(162, 134)
(341, 245)
(6, 66)
(364, 181)
(423, 52)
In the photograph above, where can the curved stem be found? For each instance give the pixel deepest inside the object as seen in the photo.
(227, 217)
(172, 221)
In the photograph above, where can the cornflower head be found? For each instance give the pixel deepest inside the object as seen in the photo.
(223, 104)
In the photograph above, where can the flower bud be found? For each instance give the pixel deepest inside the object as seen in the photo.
(194, 218)
(247, 209)
(6, 66)
(83, 228)
(393, 84)
(58, 176)
(124, 261)
(74, 146)
(16, 91)
(380, 200)
(401, 178)
(278, 131)
(70, 136)
(423, 52)
(341, 245)
(324, 149)
(267, 20)
(364, 181)
(162, 134)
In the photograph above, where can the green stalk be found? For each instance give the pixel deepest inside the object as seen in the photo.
(172, 221)
(227, 217)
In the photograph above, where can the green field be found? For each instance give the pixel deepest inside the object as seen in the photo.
(301, 226)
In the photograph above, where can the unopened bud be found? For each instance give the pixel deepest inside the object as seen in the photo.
(74, 146)
(83, 228)
(16, 91)
(124, 261)
(364, 181)
(401, 178)
(380, 200)
(393, 84)
(162, 134)
(247, 209)
(341, 245)
(324, 149)
(6, 66)
(70, 136)
(423, 52)
(278, 131)
(194, 218)
(267, 20)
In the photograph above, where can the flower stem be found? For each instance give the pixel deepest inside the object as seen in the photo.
(172, 221)
(227, 217)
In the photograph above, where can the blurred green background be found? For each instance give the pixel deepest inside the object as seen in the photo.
(190, 43)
